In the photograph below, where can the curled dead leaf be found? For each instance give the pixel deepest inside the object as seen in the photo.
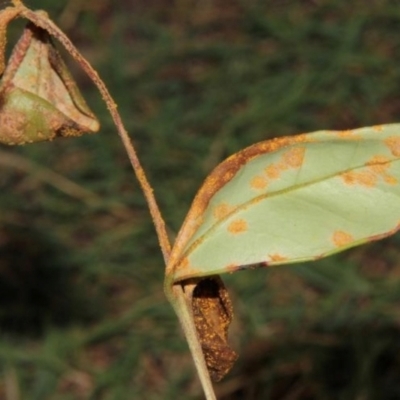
(212, 314)
(39, 99)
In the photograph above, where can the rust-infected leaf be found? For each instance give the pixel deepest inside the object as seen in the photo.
(39, 99)
(212, 314)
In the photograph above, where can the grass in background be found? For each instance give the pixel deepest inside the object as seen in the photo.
(82, 312)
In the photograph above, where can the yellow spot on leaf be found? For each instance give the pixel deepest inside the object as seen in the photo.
(393, 143)
(222, 210)
(237, 226)
(258, 182)
(341, 238)
(377, 128)
(277, 257)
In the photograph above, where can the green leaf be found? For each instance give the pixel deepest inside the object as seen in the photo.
(292, 199)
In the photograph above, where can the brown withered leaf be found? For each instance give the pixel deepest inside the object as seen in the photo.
(212, 313)
(39, 99)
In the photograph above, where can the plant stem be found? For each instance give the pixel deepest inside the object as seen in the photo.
(180, 296)
(41, 20)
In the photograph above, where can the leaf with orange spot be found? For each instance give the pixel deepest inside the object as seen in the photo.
(281, 201)
(292, 199)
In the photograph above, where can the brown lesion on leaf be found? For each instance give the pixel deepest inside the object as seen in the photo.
(212, 315)
(238, 226)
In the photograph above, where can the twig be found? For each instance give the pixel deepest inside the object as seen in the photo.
(43, 22)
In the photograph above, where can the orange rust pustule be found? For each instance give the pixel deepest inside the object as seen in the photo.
(258, 182)
(272, 171)
(275, 257)
(222, 210)
(237, 226)
(294, 157)
(393, 142)
(379, 163)
(342, 238)
(363, 178)
(390, 180)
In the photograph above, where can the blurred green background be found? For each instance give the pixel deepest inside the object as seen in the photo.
(82, 310)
